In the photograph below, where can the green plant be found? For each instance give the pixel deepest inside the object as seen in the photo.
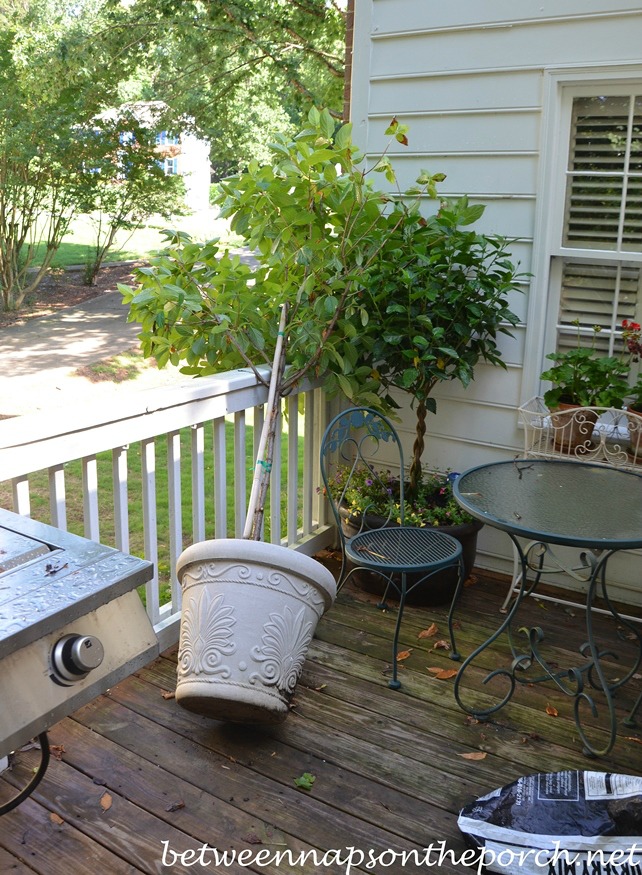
(438, 298)
(317, 225)
(367, 491)
(581, 377)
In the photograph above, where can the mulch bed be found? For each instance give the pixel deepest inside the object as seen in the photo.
(66, 289)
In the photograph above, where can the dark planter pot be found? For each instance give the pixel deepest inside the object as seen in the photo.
(437, 590)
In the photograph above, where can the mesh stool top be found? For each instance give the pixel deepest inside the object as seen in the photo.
(403, 549)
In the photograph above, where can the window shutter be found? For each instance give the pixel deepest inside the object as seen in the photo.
(604, 184)
(597, 294)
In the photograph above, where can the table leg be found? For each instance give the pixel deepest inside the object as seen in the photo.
(572, 681)
(483, 713)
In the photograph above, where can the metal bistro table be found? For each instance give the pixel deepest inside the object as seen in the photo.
(595, 508)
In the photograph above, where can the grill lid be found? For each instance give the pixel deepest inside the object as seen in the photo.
(49, 578)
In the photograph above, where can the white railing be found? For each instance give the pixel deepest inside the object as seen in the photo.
(201, 428)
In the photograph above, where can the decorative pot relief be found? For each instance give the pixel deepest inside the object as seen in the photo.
(249, 613)
(282, 651)
(207, 628)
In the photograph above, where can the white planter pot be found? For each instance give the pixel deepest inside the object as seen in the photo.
(249, 613)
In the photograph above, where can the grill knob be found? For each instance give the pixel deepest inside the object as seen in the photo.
(74, 656)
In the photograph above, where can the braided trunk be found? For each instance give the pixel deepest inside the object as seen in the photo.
(417, 452)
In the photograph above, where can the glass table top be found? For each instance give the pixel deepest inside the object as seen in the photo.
(560, 502)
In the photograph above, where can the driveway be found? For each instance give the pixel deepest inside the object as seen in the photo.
(39, 357)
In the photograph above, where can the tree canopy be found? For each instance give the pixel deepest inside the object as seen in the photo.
(239, 68)
(235, 71)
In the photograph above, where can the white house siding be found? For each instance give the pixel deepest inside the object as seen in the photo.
(469, 78)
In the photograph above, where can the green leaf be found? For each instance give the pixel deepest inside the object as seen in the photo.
(346, 386)
(305, 782)
(343, 137)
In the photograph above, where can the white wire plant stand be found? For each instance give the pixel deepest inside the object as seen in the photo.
(597, 435)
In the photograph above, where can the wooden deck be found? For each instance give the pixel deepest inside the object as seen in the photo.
(133, 770)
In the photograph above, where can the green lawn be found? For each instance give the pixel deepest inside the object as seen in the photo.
(78, 243)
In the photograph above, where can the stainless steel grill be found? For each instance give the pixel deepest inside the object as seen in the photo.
(71, 625)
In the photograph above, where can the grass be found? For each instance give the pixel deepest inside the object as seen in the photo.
(117, 369)
(39, 494)
(78, 243)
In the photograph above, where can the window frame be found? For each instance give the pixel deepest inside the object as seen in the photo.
(560, 86)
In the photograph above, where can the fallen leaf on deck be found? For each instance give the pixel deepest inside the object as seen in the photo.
(443, 674)
(552, 712)
(318, 689)
(633, 738)
(57, 751)
(56, 818)
(166, 694)
(477, 755)
(175, 806)
(430, 632)
(637, 677)
(471, 721)
(252, 839)
(441, 645)
(403, 654)
(106, 801)
(305, 782)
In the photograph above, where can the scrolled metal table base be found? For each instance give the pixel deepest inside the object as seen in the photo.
(579, 682)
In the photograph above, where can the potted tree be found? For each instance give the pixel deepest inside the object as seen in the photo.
(317, 225)
(438, 295)
(582, 379)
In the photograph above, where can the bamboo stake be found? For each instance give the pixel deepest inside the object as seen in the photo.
(263, 466)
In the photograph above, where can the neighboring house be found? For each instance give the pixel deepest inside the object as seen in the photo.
(188, 156)
(535, 109)
(181, 154)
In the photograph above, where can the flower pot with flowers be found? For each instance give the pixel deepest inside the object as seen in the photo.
(582, 379)
(371, 500)
(316, 224)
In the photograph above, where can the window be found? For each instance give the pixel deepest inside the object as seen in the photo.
(170, 166)
(596, 254)
(165, 139)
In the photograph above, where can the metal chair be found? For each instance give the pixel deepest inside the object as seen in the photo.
(355, 445)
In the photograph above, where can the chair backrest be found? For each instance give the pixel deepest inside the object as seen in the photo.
(362, 469)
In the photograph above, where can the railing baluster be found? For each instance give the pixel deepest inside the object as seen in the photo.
(240, 476)
(198, 483)
(175, 511)
(258, 418)
(121, 503)
(150, 524)
(275, 485)
(220, 478)
(21, 500)
(293, 470)
(57, 502)
(320, 511)
(310, 463)
(90, 497)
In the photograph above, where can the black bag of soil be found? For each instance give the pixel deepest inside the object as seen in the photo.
(559, 823)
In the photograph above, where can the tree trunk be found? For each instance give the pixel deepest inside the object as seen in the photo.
(417, 452)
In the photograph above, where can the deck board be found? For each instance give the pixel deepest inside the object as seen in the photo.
(389, 767)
